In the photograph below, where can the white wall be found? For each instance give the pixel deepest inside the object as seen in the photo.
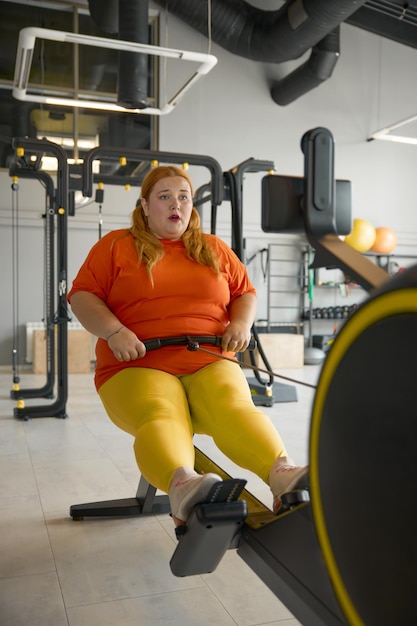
(230, 116)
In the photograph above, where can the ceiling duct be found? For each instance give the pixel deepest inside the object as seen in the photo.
(310, 74)
(129, 19)
(132, 87)
(274, 36)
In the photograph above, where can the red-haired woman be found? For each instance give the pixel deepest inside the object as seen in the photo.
(164, 277)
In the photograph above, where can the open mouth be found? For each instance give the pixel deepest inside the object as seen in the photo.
(175, 218)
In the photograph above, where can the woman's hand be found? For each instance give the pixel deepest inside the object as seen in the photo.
(236, 337)
(126, 346)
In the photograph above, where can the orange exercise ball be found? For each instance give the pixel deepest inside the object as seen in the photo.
(385, 240)
(362, 235)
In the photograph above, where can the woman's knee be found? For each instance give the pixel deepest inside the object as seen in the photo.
(218, 382)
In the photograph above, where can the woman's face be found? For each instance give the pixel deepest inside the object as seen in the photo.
(169, 207)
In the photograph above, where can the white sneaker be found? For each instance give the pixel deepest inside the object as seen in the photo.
(284, 478)
(186, 493)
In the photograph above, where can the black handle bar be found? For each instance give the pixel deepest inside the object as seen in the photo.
(192, 342)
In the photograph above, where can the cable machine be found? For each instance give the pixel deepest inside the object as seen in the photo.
(23, 169)
(264, 393)
(58, 317)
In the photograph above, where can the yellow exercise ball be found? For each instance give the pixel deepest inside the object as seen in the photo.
(362, 235)
(385, 240)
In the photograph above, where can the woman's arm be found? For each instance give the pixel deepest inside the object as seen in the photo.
(97, 318)
(94, 314)
(242, 311)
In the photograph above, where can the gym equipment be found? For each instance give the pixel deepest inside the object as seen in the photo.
(191, 341)
(147, 156)
(363, 458)
(212, 528)
(264, 393)
(58, 407)
(23, 169)
(312, 354)
(281, 205)
(321, 215)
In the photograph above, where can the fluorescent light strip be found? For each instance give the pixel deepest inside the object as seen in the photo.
(395, 138)
(384, 133)
(26, 45)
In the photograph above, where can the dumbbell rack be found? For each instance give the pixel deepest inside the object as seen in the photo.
(318, 308)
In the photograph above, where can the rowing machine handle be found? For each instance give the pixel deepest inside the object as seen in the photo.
(155, 344)
(152, 344)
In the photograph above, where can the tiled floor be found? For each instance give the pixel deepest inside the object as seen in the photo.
(58, 572)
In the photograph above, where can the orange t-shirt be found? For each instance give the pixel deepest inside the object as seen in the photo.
(187, 298)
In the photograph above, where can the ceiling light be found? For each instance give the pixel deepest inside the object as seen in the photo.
(26, 46)
(395, 138)
(385, 133)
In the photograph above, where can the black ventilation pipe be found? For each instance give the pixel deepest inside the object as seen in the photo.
(315, 71)
(132, 89)
(269, 36)
(129, 19)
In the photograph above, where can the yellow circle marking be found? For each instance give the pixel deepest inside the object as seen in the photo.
(400, 301)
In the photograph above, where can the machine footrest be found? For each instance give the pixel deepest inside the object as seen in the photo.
(213, 527)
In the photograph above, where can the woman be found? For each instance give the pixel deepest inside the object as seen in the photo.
(163, 277)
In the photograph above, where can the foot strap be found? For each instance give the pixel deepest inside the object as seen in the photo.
(212, 528)
(299, 494)
(291, 499)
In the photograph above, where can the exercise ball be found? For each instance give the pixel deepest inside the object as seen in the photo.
(385, 240)
(362, 236)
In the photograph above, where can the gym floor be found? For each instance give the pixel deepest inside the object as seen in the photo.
(58, 572)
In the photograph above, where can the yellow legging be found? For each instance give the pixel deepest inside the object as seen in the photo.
(163, 411)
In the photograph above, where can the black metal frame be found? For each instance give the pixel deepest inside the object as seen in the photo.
(148, 155)
(266, 392)
(58, 407)
(146, 502)
(46, 391)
